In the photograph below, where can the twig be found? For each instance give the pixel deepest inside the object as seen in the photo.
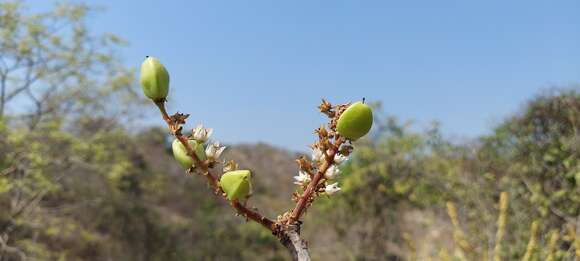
(287, 226)
(5, 248)
(552, 209)
(202, 167)
(307, 195)
(7, 171)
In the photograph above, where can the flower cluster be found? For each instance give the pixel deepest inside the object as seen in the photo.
(328, 153)
(332, 172)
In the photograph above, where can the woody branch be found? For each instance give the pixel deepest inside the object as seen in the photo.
(174, 124)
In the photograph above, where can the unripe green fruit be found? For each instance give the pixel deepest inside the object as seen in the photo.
(180, 153)
(355, 121)
(154, 79)
(236, 184)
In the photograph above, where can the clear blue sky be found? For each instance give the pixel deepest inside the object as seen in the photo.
(256, 70)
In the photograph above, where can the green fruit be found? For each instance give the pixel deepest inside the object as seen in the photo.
(236, 184)
(154, 79)
(355, 121)
(180, 153)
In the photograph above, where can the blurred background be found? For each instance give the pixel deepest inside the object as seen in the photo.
(474, 154)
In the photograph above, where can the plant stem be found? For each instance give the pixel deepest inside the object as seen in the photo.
(202, 168)
(289, 235)
(311, 188)
(292, 241)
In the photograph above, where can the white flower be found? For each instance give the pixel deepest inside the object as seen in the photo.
(317, 155)
(331, 189)
(339, 158)
(332, 172)
(302, 178)
(201, 134)
(328, 151)
(213, 151)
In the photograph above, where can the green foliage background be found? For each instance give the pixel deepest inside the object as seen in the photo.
(79, 181)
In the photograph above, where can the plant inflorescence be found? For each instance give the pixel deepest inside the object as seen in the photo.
(316, 176)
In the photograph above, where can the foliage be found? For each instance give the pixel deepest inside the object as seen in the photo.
(533, 156)
(51, 65)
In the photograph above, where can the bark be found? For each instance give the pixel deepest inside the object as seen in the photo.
(298, 248)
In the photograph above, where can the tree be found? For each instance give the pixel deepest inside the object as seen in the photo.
(50, 65)
(535, 156)
(530, 161)
(54, 75)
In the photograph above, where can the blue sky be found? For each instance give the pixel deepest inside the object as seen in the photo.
(256, 70)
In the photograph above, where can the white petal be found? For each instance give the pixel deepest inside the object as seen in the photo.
(219, 151)
(302, 178)
(332, 172)
(339, 158)
(317, 155)
(331, 189)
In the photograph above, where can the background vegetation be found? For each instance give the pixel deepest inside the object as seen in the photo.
(79, 180)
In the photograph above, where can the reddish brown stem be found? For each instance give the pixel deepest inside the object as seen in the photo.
(253, 215)
(166, 118)
(202, 168)
(311, 188)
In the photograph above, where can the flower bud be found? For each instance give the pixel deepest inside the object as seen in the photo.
(236, 184)
(154, 79)
(355, 121)
(180, 153)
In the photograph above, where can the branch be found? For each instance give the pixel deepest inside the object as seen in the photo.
(287, 226)
(5, 248)
(291, 240)
(550, 206)
(329, 143)
(307, 195)
(288, 234)
(202, 167)
(26, 85)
